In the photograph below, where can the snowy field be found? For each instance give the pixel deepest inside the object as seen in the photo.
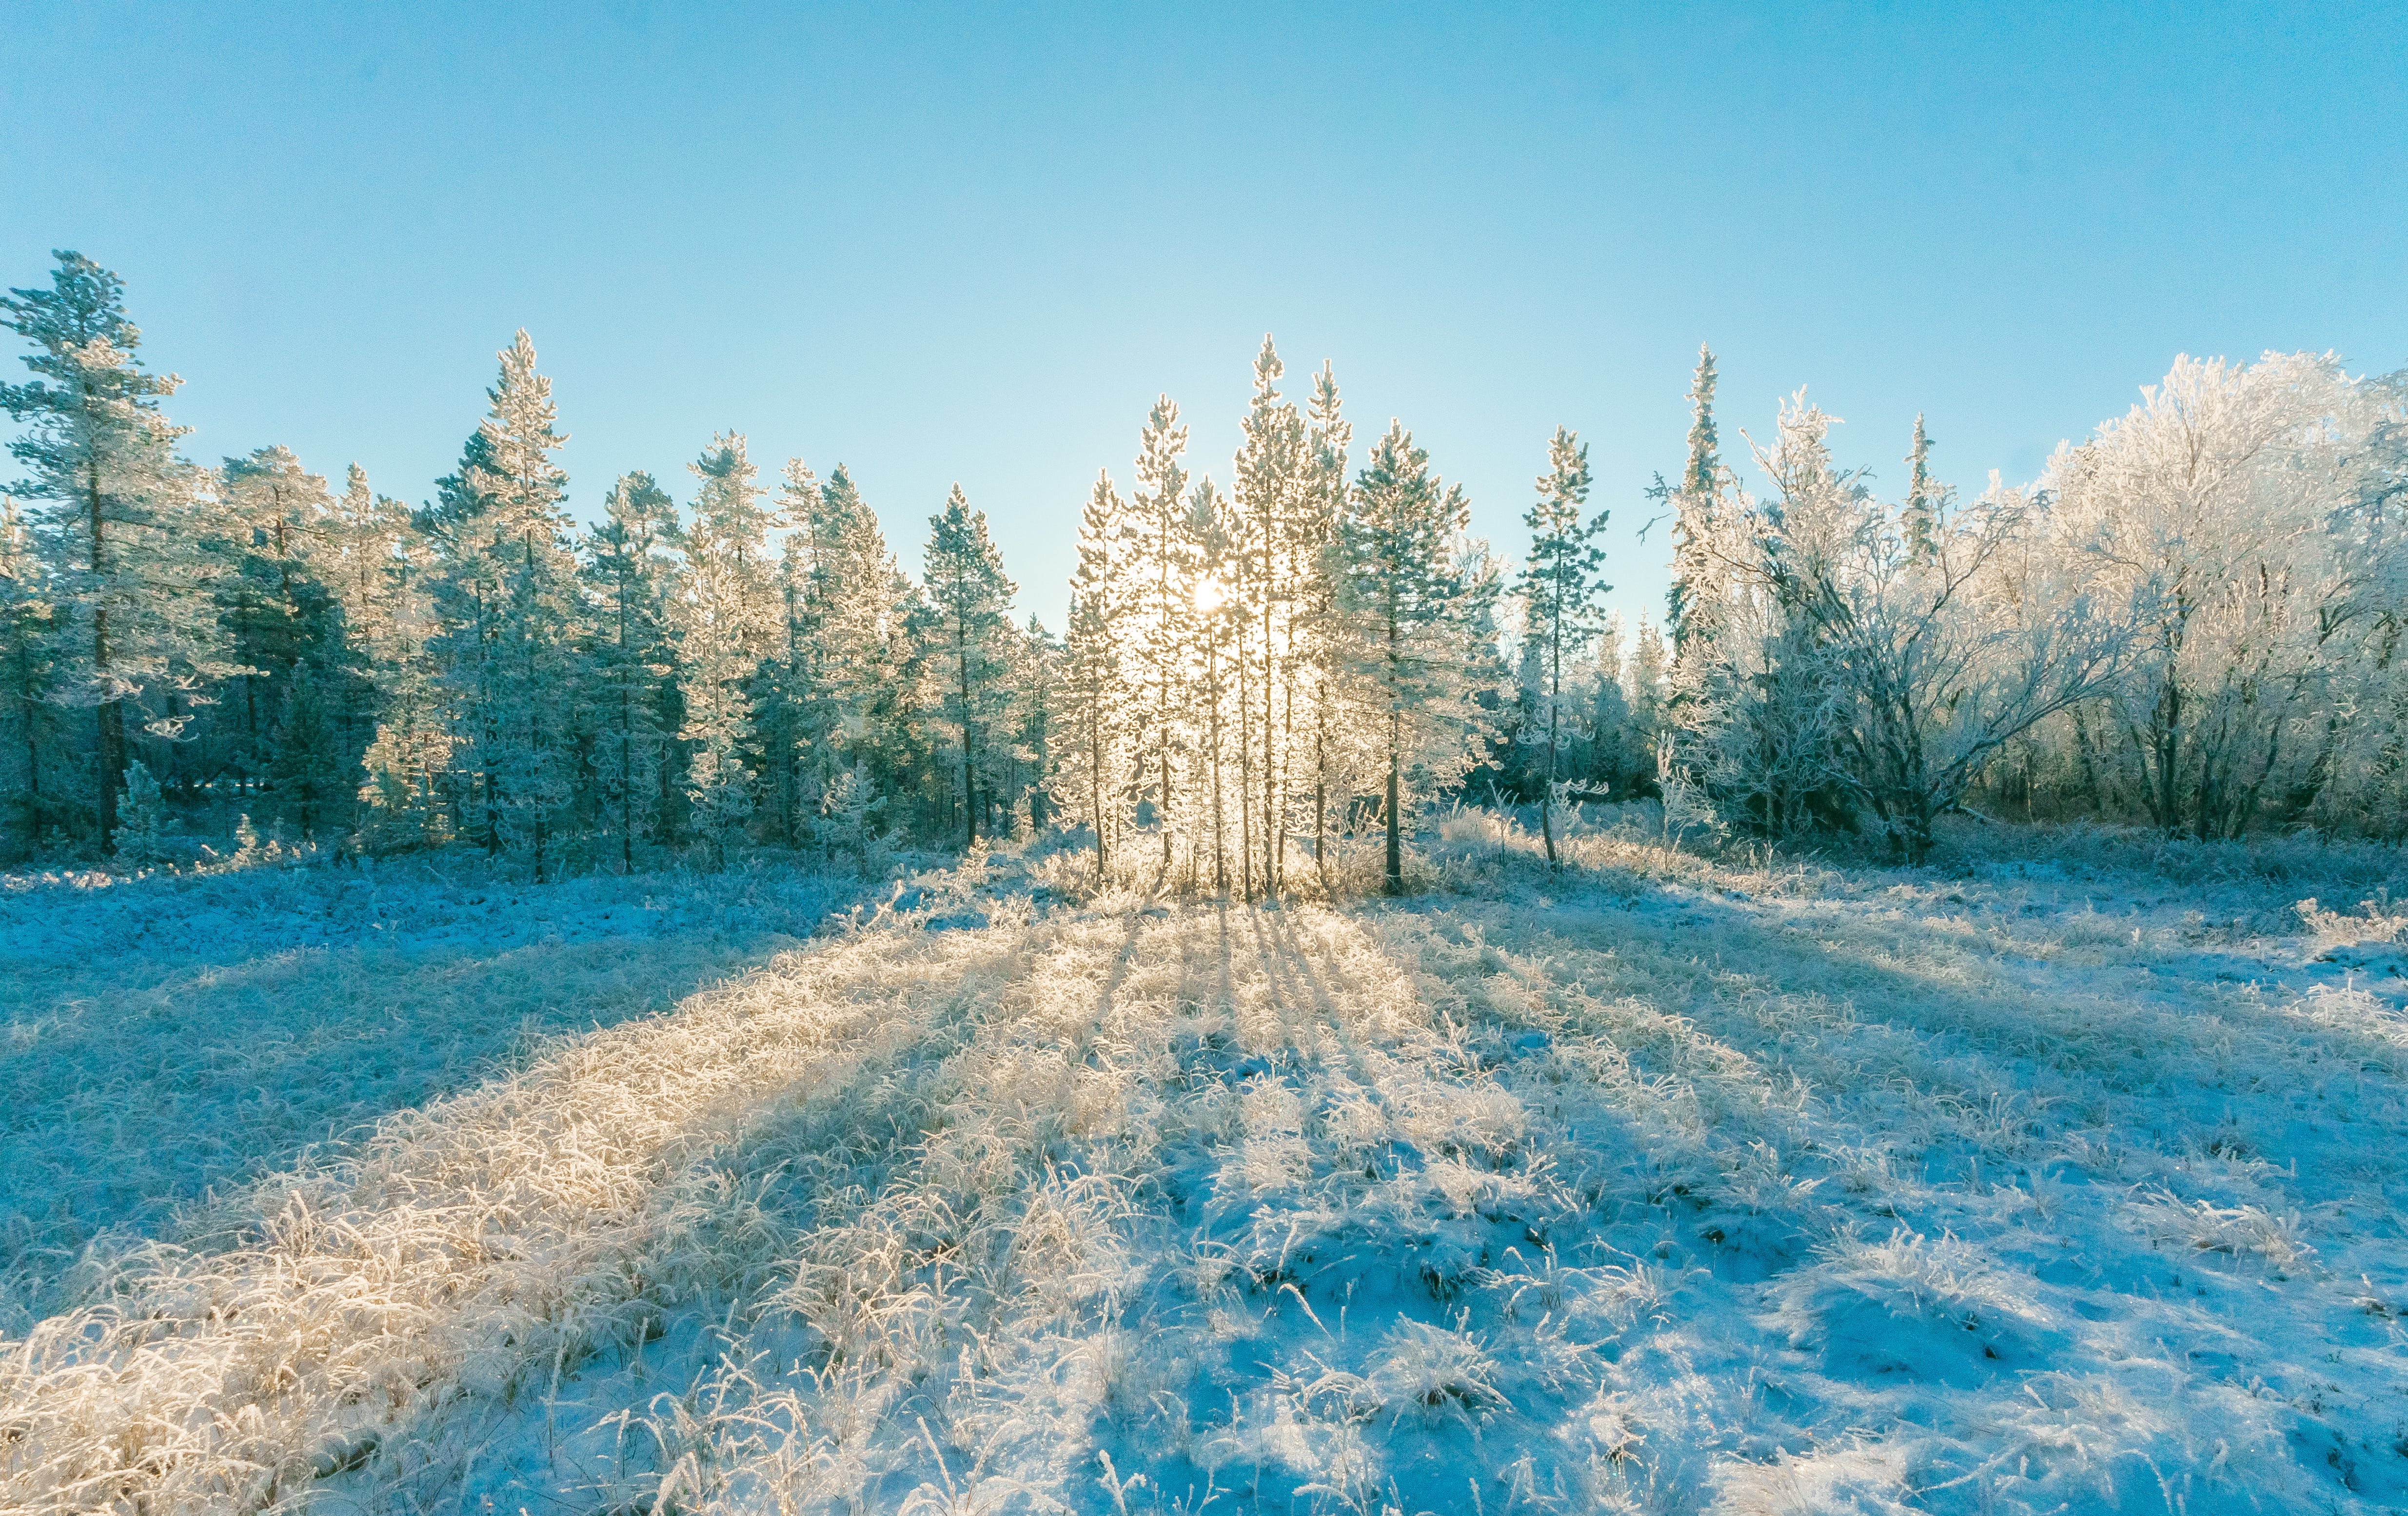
(2066, 1175)
(165, 1037)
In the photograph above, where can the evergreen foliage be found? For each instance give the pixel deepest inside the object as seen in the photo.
(2194, 622)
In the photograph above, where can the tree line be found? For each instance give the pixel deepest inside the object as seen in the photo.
(2194, 623)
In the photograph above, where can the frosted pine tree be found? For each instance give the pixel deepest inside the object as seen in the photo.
(632, 579)
(727, 622)
(384, 584)
(846, 622)
(1096, 752)
(29, 735)
(1220, 623)
(276, 521)
(788, 713)
(1317, 651)
(1161, 610)
(1274, 477)
(118, 517)
(312, 773)
(1413, 617)
(367, 555)
(1032, 706)
(1559, 587)
(1644, 678)
(1613, 745)
(141, 841)
(967, 589)
(507, 595)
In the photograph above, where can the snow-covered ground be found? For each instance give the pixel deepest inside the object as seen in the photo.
(163, 1035)
(2068, 1175)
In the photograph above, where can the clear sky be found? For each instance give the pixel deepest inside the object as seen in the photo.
(974, 244)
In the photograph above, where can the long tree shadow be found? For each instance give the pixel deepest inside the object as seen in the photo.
(165, 1043)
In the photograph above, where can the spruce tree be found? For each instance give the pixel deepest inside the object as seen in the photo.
(118, 517)
(1559, 588)
(1923, 500)
(969, 594)
(1688, 612)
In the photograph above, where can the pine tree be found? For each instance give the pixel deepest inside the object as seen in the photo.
(1274, 475)
(848, 638)
(275, 518)
(364, 555)
(311, 771)
(727, 624)
(1161, 609)
(1559, 589)
(1220, 620)
(1644, 690)
(384, 583)
(1413, 618)
(1613, 745)
(140, 844)
(1313, 545)
(117, 516)
(28, 735)
(792, 736)
(632, 579)
(507, 595)
(1036, 678)
(967, 587)
(1096, 692)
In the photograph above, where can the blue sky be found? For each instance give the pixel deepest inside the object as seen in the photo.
(973, 243)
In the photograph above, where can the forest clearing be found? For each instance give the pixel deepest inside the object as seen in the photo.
(1237, 761)
(2065, 1174)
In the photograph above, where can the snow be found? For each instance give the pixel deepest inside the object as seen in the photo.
(163, 1035)
(2065, 1175)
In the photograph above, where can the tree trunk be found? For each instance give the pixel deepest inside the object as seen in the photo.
(111, 715)
(1394, 882)
(1555, 704)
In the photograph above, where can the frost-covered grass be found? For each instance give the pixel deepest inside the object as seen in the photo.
(2050, 1178)
(163, 1035)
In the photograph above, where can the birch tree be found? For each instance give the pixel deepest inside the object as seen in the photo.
(2218, 515)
